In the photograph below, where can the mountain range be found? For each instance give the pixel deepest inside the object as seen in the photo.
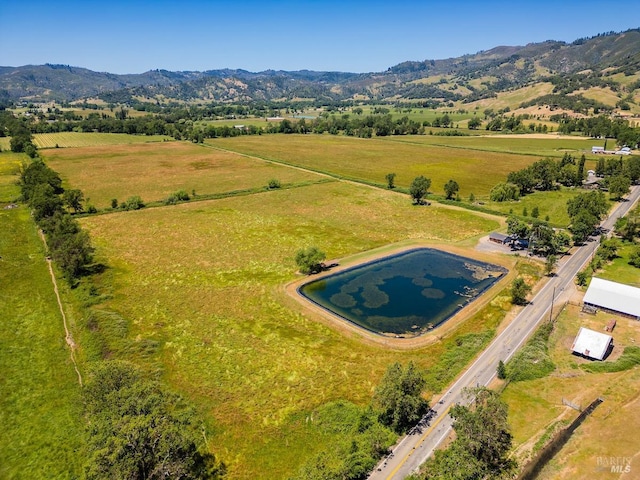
(599, 61)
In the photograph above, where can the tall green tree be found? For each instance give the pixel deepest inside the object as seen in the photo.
(419, 189)
(310, 259)
(37, 173)
(451, 188)
(73, 199)
(474, 123)
(44, 201)
(618, 186)
(519, 291)
(550, 264)
(398, 399)
(391, 178)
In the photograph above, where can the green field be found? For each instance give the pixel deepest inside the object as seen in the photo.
(78, 139)
(619, 269)
(370, 160)
(42, 433)
(553, 204)
(537, 145)
(154, 171)
(203, 282)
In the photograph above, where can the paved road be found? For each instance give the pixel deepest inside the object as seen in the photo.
(416, 447)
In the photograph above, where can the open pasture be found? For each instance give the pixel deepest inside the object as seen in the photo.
(154, 171)
(92, 139)
(206, 281)
(9, 176)
(370, 160)
(552, 204)
(536, 145)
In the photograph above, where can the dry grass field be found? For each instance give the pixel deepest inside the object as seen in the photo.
(370, 160)
(92, 139)
(153, 171)
(203, 284)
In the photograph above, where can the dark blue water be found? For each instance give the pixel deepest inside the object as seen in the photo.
(408, 293)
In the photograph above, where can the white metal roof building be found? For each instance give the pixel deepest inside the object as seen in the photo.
(591, 344)
(613, 296)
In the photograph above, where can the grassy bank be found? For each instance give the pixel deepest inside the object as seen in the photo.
(40, 406)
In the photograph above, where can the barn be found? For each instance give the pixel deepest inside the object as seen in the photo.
(592, 344)
(614, 297)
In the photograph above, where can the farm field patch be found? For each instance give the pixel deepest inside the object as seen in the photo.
(90, 139)
(536, 145)
(204, 281)
(154, 171)
(370, 160)
(9, 176)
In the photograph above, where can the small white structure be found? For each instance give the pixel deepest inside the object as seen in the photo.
(591, 344)
(612, 296)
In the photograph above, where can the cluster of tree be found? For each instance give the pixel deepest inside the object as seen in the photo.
(380, 125)
(482, 443)
(543, 240)
(69, 245)
(138, 430)
(398, 399)
(586, 210)
(600, 127)
(613, 168)
(547, 173)
(565, 84)
(366, 433)
(576, 103)
(18, 130)
(511, 123)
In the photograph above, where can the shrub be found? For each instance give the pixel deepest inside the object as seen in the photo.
(274, 183)
(133, 203)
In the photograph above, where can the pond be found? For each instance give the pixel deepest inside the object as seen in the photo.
(404, 294)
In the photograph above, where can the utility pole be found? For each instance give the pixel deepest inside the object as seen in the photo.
(553, 297)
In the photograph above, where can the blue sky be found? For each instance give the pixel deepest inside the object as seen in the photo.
(356, 36)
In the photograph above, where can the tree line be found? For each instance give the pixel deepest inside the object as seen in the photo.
(69, 245)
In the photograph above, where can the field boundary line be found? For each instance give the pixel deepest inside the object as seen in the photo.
(68, 337)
